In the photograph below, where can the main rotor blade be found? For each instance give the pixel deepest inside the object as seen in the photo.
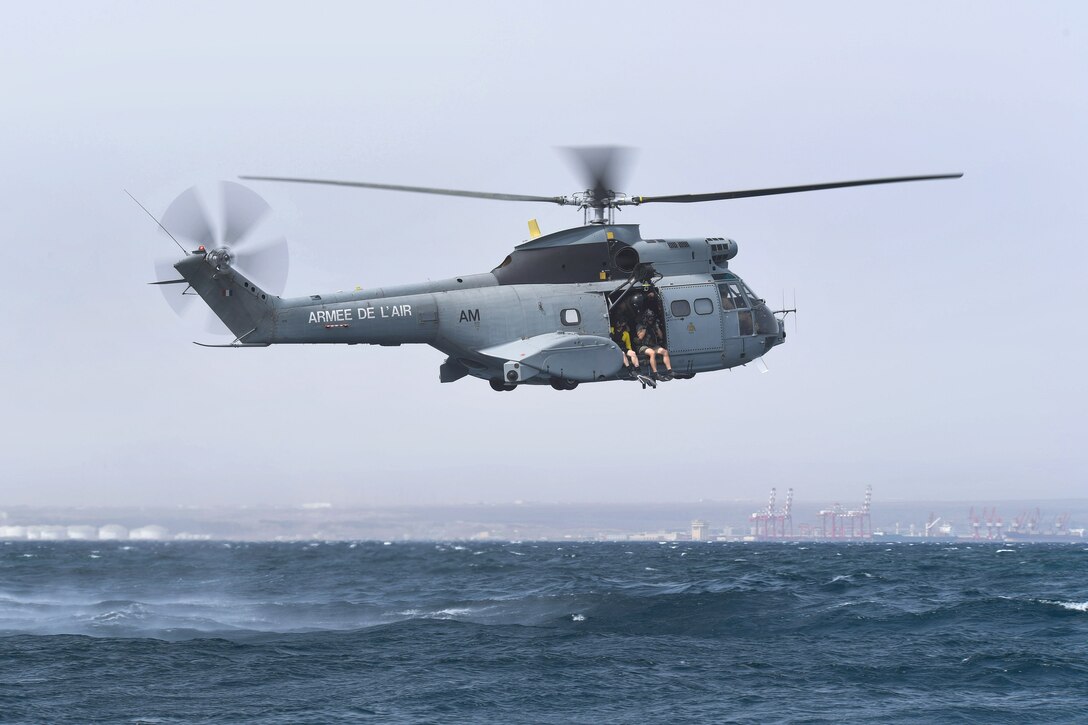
(415, 189)
(717, 196)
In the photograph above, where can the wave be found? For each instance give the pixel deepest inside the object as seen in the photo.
(678, 613)
(670, 610)
(707, 591)
(1074, 606)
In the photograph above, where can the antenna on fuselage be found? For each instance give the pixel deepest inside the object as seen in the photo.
(787, 310)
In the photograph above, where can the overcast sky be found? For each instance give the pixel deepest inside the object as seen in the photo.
(938, 352)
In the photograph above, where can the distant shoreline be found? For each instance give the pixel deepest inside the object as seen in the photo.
(962, 522)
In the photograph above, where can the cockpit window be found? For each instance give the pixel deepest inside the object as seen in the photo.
(732, 299)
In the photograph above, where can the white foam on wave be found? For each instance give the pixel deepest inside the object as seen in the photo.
(124, 614)
(577, 617)
(1074, 606)
(455, 612)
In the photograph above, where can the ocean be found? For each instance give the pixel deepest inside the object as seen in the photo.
(535, 632)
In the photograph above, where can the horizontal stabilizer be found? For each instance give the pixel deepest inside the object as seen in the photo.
(234, 344)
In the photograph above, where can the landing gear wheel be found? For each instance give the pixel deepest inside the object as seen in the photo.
(561, 384)
(497, 384)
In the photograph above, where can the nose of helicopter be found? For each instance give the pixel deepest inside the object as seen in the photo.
(772, 329)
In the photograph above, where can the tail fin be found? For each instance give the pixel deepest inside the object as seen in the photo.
(245, 309)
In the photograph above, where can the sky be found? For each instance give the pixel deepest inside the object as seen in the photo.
(936, 353)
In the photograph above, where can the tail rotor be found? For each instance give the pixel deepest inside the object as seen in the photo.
(236, 233)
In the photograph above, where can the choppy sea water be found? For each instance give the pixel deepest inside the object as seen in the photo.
(542, 632)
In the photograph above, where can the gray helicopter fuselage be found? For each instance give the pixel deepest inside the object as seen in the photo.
(546, 313)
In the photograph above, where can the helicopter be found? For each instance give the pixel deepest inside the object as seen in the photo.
(559, 310)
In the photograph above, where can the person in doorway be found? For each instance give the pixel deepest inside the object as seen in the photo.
(647, 344)
(621, 335)
(649, 314)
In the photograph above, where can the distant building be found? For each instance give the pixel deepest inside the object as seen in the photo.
(699, 531)
(148, 533)
(112, 532)
(659, 536)
(83, 533)
(46, 533)
(186, 536)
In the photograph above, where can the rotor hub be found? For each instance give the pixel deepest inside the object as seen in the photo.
(221, 259)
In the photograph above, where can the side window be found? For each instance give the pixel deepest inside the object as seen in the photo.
(703, 306)
(727, 299)
(680, 308)
(570, 316)
(745, 318)
(738, 298)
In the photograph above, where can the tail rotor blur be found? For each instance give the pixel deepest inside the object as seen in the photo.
(243, 239)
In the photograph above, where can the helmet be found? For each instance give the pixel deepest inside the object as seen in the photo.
(636, 300)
